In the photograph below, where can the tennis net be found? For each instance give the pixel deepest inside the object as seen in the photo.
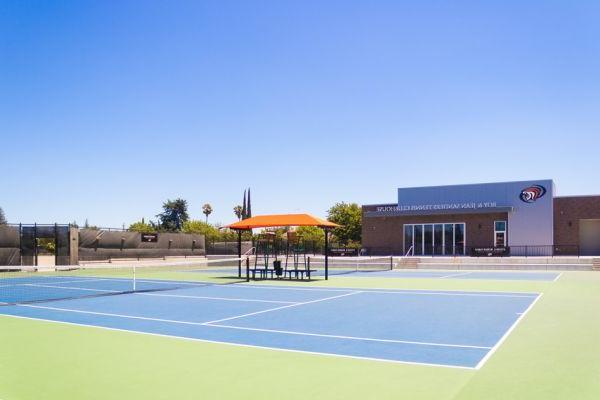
(349, 265)
(69, 282)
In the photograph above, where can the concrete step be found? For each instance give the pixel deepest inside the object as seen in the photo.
(596, 264)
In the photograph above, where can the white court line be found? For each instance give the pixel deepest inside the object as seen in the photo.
(557, 277)
(326, 289)
(216, 298)
(282, 307)
(189, 283)
(503, 338)
(453, 275)
(210, 324)
(240, 344)
(416, 293)
(172, 320)
(481, 363)
(214, 325)
(161, 295)
(286, 287)
(73, 288)
(72, 310)
(130, 279)
(60, 282)
(389, 291)
(349, 337)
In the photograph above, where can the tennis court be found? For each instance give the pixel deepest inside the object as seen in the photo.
(442, 328)
(461, 274)
(385, 267)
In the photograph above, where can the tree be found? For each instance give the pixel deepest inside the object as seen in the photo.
(237, 210)
(244, 209)
(142, 227)
(2, 217)
(174, 215)
(207, 210)
(249, 206)
(311, 234)
(280, 232)
(200, 227)
(349, 216)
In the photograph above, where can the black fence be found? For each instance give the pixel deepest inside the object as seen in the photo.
(227, 248)
(278, 246)
(10, 245)
(479, 251)
(100, 244)
(23, 244)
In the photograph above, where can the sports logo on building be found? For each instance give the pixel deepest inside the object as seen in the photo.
(532, 193)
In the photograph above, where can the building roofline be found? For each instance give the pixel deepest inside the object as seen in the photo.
(474, 184)
(577, 195)
(379, 204)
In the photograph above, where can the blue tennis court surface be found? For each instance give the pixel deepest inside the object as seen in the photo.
(427, 274)
(457, 274)
(442, 328)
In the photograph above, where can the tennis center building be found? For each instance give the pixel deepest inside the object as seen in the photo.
(502, 218)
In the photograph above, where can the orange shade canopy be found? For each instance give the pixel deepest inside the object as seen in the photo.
(276, 220)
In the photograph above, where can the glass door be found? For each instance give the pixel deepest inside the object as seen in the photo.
(448, 239)
(428, 239)
(459, 239)
(438, 239)
(499, 233)
(408, 240)
(418, 250)
(434, 239)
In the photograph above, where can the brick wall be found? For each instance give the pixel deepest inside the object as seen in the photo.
(387, 232)
(567, 213)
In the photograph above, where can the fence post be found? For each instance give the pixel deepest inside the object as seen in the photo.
(55, 244)
(35, 249)
(247, 269)
(20, 244)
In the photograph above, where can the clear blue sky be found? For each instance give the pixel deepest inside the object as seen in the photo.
(109, 108)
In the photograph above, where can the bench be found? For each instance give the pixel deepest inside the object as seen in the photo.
(299, 271)
(263, 273)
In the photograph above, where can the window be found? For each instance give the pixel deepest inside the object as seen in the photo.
(449, 239)
(428, 239)
(499, 233)
(434, 239)
(459, 239)
(408, 238)
(438, 239)
(418, 245)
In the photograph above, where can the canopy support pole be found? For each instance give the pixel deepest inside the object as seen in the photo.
(326, 253)
(239, 253)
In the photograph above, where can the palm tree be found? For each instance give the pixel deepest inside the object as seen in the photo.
(207, 210)
(237, 210)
